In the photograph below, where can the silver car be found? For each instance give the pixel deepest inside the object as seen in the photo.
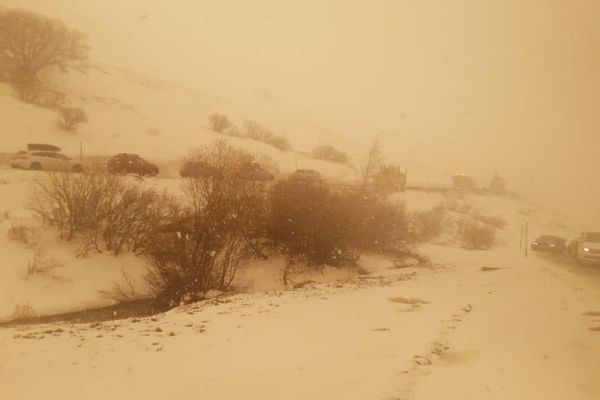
(44, 157)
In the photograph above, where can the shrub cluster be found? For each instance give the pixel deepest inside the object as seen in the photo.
(316, 226)
(475, 235)
(219, 229)
(426, 225)
(252, 130)
(105, 210)
(329, 153)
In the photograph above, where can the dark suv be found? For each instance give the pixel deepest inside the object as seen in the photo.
(125, 163)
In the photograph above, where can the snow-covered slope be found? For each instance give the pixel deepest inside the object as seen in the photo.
(518, 328)
(161, 121)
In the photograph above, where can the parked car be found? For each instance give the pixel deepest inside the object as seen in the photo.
(308, 175)
(125, 163)
(45, 157)
(549, 243)
(588, 248)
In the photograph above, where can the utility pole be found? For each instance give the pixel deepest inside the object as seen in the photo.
(526, 234)
(521, 238)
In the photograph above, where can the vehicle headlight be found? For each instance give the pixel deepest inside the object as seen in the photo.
(552, 245)
(586, 249)
(535, 243)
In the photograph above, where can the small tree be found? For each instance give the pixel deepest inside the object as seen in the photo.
(373, 162)
(70, 117)
(329, 153)
(31, 43)
(219, 122)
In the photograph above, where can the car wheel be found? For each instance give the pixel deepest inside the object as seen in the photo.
(36, 166)
(77, 168)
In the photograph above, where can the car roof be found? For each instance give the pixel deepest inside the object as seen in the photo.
(42, 147)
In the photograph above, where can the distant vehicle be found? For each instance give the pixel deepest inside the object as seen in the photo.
(549, 243)
(588, 248)
(198, 169)
(45, 157)
(391, 178)
(251, 171)
(126, 163)
(307, 175)
(462, 181)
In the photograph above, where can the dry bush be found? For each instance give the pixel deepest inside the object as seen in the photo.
(24, 311)
(104, 210)
(315, 226)
(22, 233)
(73, 202)
(426, 225)
(31, 238)
(220, 228)
(69, 118)
(219, 122)
(255, 131)
(329, 153)
(474, 235)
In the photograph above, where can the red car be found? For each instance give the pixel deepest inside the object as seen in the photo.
(126, 163)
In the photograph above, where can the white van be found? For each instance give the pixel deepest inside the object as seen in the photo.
(588, 249)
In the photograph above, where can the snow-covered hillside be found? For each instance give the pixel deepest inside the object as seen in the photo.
(131, 113)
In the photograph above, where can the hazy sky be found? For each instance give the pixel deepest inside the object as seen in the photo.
(497, 85)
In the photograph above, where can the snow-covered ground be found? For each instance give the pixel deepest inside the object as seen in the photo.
(467, 325)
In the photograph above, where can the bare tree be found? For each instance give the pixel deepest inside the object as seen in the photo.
(31, 43)
(373, 162)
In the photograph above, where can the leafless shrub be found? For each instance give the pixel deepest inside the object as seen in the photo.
(106, 211)
(219, 230)
(315, 226)
(474, 235)
(73, 202)
(259, 133)
(426, 225)
(22, 233)
(71, 117)
(219, 122)
(123, 292)
(24, 311)
(31, 238)
(329, 153)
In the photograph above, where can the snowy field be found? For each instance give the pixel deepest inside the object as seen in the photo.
(466, 325)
